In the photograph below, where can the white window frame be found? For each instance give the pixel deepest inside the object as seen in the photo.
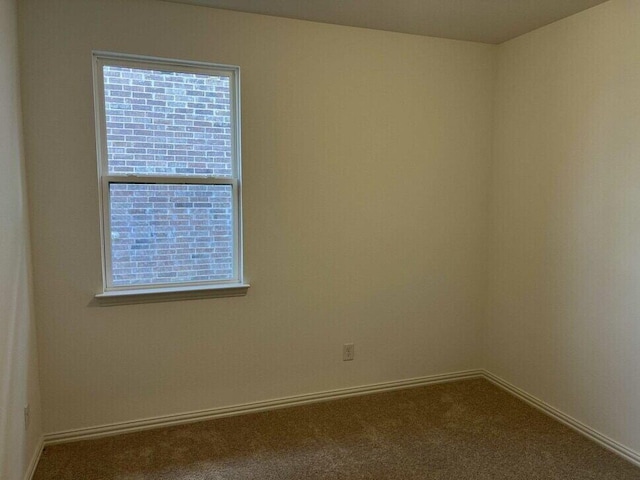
(112, 294)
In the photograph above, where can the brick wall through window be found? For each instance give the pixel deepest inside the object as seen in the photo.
(169, 123)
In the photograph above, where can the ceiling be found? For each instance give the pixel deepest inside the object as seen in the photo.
(487, 21)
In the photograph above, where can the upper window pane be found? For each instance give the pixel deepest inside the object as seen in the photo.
(167, 123)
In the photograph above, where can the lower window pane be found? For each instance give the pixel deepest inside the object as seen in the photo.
(166, 233)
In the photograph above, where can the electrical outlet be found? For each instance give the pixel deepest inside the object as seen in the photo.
(348, 352)
(27, 416)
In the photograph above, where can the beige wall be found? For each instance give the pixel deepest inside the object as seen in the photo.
(18, 358)
(564, 320)
(366, 160)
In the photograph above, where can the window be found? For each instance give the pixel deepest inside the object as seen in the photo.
(169, 170)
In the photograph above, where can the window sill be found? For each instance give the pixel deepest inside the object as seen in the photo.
(170, 294)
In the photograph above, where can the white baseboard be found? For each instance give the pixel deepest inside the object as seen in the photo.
(35, 458)
(210, 414)
(601, 439)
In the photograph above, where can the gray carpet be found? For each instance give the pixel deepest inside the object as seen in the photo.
(463, 430)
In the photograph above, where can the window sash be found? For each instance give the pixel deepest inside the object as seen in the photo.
(237, 278)
(102, 59)
(172, 179)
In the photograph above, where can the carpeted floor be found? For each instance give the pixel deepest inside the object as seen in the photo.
(454, 431)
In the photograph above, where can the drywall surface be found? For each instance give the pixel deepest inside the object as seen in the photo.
(365, 159)
(563, 318)
(18, 358)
